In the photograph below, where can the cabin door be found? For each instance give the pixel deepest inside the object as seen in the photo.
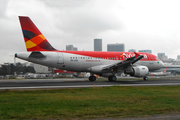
(60, 58)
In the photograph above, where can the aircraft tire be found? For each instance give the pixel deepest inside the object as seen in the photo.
(145, 78)
(92, 78)
(109, 78)
(112, 78)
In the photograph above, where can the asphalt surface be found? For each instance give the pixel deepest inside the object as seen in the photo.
(83, 82)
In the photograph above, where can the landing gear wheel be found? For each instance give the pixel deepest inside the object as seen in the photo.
(92, 78)
(145, 78)
(112, 78)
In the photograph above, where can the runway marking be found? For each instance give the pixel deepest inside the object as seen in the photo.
(82, 86)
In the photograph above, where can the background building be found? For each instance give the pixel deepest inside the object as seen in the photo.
(161, 55)
(97, 44)
(42, 69)
(146, 51)
(167, 60)
(75, 48)
(178, 57)
(115, 47)
(71, 48)
(132, 50)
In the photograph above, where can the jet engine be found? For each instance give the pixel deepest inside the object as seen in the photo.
(137, 71)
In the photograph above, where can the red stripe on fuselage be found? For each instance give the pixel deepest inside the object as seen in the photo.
(114, 55)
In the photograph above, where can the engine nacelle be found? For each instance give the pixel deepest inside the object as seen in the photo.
(137, 71)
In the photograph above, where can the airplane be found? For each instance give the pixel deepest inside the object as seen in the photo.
(163, 73)
(105, 64)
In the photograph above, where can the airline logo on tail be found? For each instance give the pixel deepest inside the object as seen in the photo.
(165, 70)
(33, 38)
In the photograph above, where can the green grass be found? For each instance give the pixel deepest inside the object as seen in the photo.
(87, 103)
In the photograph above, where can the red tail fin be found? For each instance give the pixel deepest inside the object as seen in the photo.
(34, 39)
(165, 70)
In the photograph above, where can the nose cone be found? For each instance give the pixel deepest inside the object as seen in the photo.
(161, 64)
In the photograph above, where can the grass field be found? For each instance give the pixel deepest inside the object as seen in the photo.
(87, 103)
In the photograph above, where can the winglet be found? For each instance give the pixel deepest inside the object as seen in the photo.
(34, 39)
(136, 54)
(138, 57)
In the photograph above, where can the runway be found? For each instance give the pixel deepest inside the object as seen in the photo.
(82, 82)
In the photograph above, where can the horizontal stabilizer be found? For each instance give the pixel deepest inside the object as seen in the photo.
(36, 55)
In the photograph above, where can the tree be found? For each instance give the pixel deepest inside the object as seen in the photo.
(5, 70)
(10, 69)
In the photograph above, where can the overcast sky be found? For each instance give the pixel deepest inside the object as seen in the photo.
(139, 24)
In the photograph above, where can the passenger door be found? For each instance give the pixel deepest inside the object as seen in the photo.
(60, 58)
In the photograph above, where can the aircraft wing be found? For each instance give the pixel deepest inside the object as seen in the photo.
(124, 64)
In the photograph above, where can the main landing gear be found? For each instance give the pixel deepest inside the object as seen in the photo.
(112, 78)
(92, 78)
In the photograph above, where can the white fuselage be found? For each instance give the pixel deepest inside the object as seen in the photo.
(80, 63)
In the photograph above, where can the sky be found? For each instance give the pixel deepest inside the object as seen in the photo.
(139, 24)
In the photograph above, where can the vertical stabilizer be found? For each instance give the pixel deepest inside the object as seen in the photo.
(34, 39)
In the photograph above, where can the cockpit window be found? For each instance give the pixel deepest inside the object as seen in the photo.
(157, 58)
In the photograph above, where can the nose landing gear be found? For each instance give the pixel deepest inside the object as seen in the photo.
(145, 78)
